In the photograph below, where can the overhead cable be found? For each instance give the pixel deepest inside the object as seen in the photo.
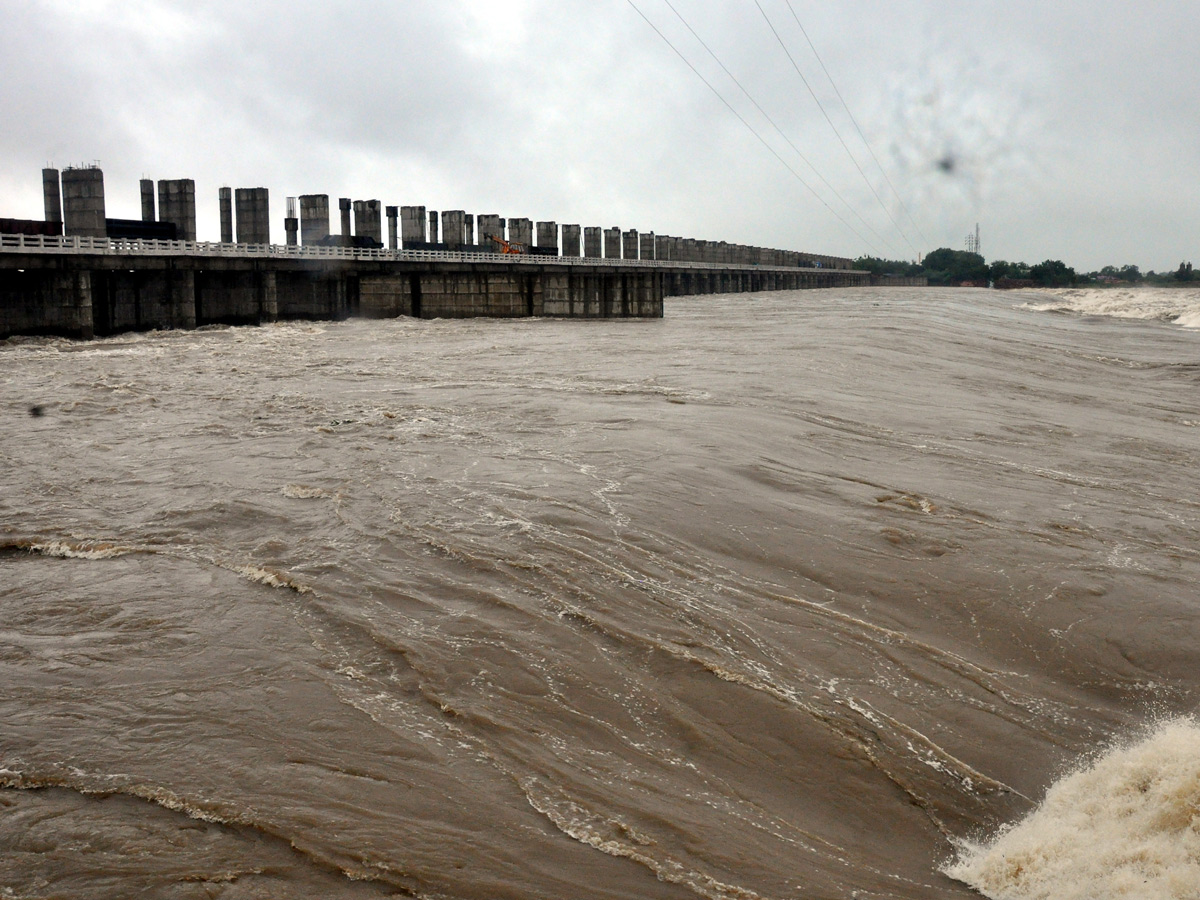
(766, 116)
(841, 140)
(750, 127)
(866, 143)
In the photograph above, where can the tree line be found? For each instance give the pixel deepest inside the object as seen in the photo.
(955, 267)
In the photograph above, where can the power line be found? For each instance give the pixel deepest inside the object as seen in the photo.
(765, 115)
(842, 141)
(751, 128)
(866, 144)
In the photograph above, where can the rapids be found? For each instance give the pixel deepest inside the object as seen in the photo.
(792, 595)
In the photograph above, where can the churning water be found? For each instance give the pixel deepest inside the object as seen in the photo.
(856, 593)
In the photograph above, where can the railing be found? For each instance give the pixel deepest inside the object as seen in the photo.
(39, 243)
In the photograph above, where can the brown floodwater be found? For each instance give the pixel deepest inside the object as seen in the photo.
(789, 595)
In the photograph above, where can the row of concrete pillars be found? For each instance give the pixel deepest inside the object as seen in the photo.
(245, 217)
(74, 199)
(415, 228)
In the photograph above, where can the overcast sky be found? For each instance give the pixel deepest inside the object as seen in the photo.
(1067, 130)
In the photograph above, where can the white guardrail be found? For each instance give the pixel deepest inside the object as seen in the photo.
(38, 243)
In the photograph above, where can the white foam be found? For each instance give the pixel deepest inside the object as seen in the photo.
(83, 550)
(1126, 826)
(1179, 305)
(303, 492)
(272, 578)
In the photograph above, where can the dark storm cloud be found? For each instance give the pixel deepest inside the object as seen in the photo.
(1065, 131)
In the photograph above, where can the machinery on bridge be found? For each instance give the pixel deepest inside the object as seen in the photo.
(503, 246)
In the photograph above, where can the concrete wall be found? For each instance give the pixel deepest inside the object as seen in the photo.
(82, 294)
(592, 246)
(83, 202)
(314, 218)
(646, 246)
(547, 235)
(147, 188)
(177, 205)
(368, 220)
(490, 226)
(344, 204)
(453, 225)
(52, 195)
(612, 243)
(412, 225)
(521, 231)
(570, 240)
(253, 215)
(629, 244)
(434, 227)
(225, 202)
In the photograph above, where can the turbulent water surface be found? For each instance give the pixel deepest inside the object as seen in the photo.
(792, 595)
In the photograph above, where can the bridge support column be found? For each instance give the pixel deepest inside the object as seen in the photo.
(73, 291)
(181, 293)
(268, 299)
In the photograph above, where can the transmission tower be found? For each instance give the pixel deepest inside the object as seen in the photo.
(973, 241)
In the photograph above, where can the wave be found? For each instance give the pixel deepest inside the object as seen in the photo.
(1178, 305)
(1126, 826)
(69, 549)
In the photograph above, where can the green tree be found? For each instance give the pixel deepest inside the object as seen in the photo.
(946, 266)
(878, 266)
(1052, 273)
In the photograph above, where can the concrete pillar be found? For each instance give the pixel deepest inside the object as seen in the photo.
(291, 223)
(182, 288)
(521, 231)
(629, 244)
(344, 209)
(83, 202)
(662, 243)
(314, 218)
(612, 243)
(368, 221)
(490, 226)
(452, 228)
(393, 213)
(547, 235)
(468, 230)
(412, 225)
(591, 242)
(433, 226)
(646, 249)
(253, 215)
(268, 297)
(52, 196)
(177, 205)
(570, 240)
(225, 200)
(147, 186)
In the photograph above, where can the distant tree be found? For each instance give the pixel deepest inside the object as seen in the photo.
(1184, 272)
(1052, 273)
(1130, 273)
(1001, 269)
(877, 266)
(946, 266)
